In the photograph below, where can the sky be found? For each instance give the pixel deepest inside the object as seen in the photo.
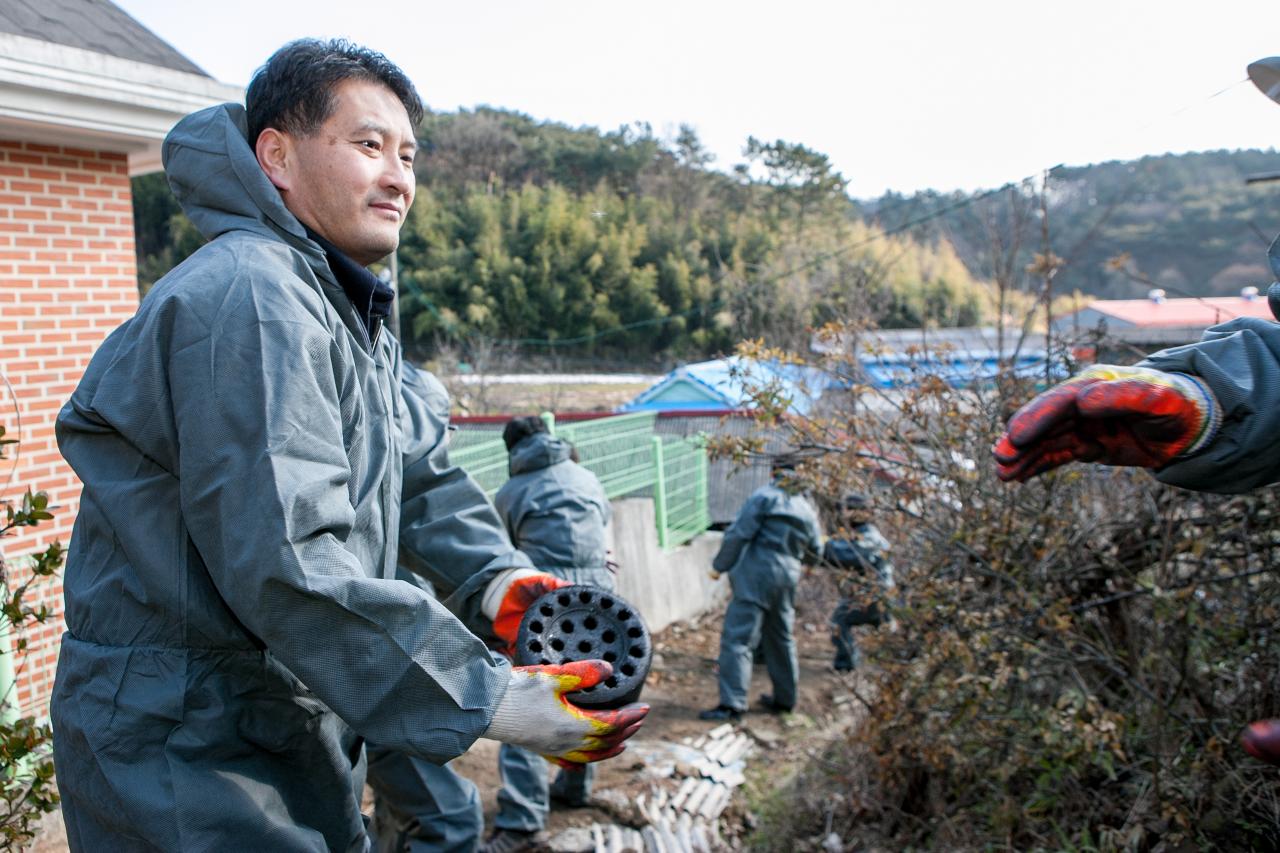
(928, 94)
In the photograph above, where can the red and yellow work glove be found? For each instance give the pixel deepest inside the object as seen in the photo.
(509, 596)
(1112, 415)
(535, 714)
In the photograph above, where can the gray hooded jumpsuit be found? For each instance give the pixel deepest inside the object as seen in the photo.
(761, 553)
(556, 512)
(234, 626)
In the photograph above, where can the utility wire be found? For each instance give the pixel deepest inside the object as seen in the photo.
(817, 260)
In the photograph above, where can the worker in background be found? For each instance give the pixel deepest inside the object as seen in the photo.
(556, 513)
(255, 459)
(762, 551)
(864, 553)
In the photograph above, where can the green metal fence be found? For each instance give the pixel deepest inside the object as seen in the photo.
(680, 494)
(618, 450)
(624, 453)
(484, 458)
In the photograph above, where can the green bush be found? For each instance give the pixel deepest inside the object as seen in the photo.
(26, 762)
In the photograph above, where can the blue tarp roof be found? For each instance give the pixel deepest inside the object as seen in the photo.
(722, 384)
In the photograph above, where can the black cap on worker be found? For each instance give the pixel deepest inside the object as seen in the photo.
(853, 500)
(518, 429)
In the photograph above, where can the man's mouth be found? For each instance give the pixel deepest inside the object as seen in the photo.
(390, 207)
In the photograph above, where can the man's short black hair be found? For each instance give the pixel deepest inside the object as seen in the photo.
(518, 429)
(293, 91)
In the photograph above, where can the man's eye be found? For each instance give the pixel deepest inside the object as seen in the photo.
(407, 158)
(371, 144)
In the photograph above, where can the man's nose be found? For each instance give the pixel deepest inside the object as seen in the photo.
(397, 175)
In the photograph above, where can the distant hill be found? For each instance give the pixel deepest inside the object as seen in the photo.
(1188, 223)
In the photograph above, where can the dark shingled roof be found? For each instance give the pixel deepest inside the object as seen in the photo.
(96, 25)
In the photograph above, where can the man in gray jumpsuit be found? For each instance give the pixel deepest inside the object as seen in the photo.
(252, 450)
(774, 532)
(556, 512)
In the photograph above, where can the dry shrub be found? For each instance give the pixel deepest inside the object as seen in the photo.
(1073, 660)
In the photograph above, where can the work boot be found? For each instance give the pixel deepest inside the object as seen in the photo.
(517, 841)
(773, 707)
(562, 795)
(721, 713)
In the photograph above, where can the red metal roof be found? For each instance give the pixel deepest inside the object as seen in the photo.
(1205, 311)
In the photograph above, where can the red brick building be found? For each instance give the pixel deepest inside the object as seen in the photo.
(86, 96)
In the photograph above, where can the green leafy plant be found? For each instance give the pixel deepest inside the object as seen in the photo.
(26, 763)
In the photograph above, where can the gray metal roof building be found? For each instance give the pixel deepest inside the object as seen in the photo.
(95, 25)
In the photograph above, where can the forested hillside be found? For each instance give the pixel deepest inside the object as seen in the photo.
(550, 240)
(558, 240)
(1187, 223)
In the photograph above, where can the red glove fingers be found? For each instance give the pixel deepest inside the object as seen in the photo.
(1261, 739)
(1052, 412)
(1114, 415)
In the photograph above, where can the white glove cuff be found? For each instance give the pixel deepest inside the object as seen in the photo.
(1195, 388)
(497, 590)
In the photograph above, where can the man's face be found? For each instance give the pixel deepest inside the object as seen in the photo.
(352, 180)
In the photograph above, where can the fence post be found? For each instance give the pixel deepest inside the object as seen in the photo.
(549, 419)
(659, 492)
(703, 512)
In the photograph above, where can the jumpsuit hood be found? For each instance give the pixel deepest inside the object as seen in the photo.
(215, 176)
(535, 452)
(556, 511)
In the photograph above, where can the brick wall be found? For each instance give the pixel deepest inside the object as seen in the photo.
(68, 276)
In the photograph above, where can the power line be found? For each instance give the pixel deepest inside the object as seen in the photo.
(817, 260)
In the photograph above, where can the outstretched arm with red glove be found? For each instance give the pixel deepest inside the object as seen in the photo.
(1133, 416)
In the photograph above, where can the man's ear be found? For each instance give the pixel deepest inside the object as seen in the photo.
(275, 156)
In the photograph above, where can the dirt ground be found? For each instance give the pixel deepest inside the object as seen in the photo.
(547, 396)
(682, 683)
